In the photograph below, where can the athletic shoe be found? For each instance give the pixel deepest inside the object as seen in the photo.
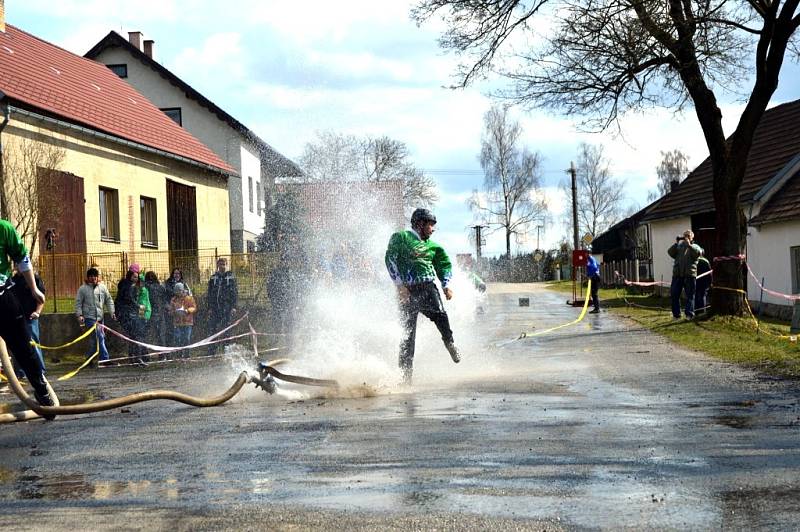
(595, 311)
(45, 400)
(453, 350)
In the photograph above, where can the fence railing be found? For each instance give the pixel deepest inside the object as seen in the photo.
(632, 270)
(64, 273)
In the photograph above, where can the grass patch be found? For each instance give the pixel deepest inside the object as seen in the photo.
(728, 338)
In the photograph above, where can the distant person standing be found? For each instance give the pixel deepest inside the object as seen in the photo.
(127, 307)
(91, 301)
(13, 328)
(221, 300)
(593, 273)
(182, 308)
(414, 262)
(684, 273)
(159, 317)
(703, 282)
(32, 309)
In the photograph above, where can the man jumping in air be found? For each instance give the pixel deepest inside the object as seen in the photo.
(414, 262)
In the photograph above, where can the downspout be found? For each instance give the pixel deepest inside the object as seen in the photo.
(4, 105)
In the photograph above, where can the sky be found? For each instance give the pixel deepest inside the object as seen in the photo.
(363, 67)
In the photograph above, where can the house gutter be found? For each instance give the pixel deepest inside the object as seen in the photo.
(4, 105)
(118, 140)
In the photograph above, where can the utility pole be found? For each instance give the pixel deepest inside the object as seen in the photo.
(573, 175)
(477, 229)
(538, 228)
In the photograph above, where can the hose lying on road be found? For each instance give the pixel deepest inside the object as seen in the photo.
(37, 410)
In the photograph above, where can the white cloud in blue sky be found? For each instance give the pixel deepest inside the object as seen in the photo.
(289, 69)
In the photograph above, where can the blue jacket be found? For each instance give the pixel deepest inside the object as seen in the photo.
(592, 267)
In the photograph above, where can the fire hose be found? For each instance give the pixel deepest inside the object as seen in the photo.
(264, 381)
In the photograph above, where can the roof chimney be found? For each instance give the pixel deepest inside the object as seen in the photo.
(148, 48)
(2, 16)
(673, 184)
(135, 38)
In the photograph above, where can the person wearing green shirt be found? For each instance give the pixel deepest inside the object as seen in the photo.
(414, 263)
(13, 328)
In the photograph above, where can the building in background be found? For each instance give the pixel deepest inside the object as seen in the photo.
(91, 161)
(256, 162)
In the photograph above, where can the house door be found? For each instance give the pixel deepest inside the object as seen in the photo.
(61, 209)
(182, 229)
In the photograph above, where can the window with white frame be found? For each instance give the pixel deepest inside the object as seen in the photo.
(109, 215)
(147, 211)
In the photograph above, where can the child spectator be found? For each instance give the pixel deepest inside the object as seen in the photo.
(182, 307)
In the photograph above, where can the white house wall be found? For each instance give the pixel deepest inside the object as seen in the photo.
(769, 257)
(662, 236)
(251, 169)
(198, 120)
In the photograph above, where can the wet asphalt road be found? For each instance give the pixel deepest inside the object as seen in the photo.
(597, 425)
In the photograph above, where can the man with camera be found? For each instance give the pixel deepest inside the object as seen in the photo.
(684, 272)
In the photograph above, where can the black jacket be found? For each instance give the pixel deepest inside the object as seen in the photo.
(223, 294)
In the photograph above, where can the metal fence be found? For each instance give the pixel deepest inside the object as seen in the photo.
(64, 273)
(612, 273)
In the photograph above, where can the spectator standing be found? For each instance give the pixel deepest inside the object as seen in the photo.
(32, 310)
(414, 262)
(91, 301)
(593, 273)
(13, 328)
(127, 307)
(159, 302)
(145, 311)
(175, 277)
(221, 300)
(684, 273)
(182, 309)
(703, 283)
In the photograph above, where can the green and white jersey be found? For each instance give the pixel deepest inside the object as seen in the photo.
(11, 246)
(411, 260)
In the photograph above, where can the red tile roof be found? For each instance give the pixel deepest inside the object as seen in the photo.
(78, 90)
(776, 141)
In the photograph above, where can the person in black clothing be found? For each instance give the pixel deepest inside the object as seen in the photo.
(12, 318)
(702, 284)
(31, 308)
(159, 302)
(127, 307)
(221, 300)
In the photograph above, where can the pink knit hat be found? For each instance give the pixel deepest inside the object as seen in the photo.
(134, 268)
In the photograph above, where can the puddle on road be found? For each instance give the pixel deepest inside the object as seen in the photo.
(734, 422)
(75, 486)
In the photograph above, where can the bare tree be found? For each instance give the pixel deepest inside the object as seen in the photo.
(673, 168)
(600, 196)
(338, 157)
(599, 59)
(511, 199)
(30, 189)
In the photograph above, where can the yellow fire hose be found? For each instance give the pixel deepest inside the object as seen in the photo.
(37, 410)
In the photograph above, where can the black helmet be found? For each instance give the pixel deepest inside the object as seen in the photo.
(422, 215)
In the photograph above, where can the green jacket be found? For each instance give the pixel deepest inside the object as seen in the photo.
(143, 298)
(411, 260)
(686, 257)
(11, 247)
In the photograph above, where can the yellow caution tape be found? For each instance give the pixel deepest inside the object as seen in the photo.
(88, 360)
(75, 341)
(573, 322)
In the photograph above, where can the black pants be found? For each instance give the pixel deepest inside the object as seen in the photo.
(595, 288)
(217, 322)
(423, 298)
(18, 340)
